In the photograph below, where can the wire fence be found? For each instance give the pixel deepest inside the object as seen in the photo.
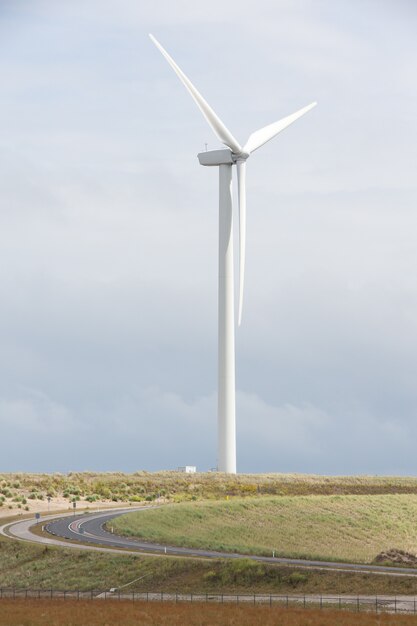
(387, 604)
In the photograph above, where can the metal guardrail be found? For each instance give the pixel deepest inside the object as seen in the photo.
(356, 603)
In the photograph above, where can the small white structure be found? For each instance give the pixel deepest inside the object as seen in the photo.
(225, 159)
(188, 469)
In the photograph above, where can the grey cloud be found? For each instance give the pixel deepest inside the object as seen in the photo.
(108, 236)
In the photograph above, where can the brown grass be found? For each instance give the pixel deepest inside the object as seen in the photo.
(122, 613)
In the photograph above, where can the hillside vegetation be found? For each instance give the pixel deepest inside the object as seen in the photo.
(22, 491)
(351, 528)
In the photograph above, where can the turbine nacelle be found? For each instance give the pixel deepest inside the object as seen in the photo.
(216, 157)
(220, 157)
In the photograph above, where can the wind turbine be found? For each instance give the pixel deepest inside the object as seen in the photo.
(233, 154)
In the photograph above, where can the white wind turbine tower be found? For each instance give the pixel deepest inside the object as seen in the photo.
(224, 159)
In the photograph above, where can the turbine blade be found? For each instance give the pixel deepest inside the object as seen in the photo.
(241, 187)
(261, 136)
(214, 121)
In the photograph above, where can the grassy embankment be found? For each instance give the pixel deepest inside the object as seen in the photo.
(350, 528)
(73, 613)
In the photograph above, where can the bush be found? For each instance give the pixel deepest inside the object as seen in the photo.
(297, 578)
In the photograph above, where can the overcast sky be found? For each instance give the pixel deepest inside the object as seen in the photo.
(108, 235)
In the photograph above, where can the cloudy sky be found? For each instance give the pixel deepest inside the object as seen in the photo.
(108, 235)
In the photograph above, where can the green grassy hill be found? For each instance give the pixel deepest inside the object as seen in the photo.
(348, 527)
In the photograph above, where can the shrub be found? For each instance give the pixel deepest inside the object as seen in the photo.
(297, 578)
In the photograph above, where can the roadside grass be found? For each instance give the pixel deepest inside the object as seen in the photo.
(30, 566)
(117, 613)
(351, 528)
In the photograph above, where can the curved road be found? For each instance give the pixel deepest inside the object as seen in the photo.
(87, 531)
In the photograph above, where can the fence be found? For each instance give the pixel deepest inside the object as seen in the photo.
(356, 603)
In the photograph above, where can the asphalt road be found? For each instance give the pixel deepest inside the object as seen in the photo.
(88, 532)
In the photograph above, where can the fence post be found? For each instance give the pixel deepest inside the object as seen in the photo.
(357, 604)
(321, 602)
(376, 604)
(340, 602)
(395, 604)
(304, 603)
(287, 602)
(176, 597)
(254, 599)
(270, 600)
(414, 605)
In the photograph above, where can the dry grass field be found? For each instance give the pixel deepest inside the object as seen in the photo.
(343, 527)
(114, 613)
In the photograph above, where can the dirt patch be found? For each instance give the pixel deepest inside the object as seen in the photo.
(398, 557)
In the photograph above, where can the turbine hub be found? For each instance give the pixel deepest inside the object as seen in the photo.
(242, 156)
